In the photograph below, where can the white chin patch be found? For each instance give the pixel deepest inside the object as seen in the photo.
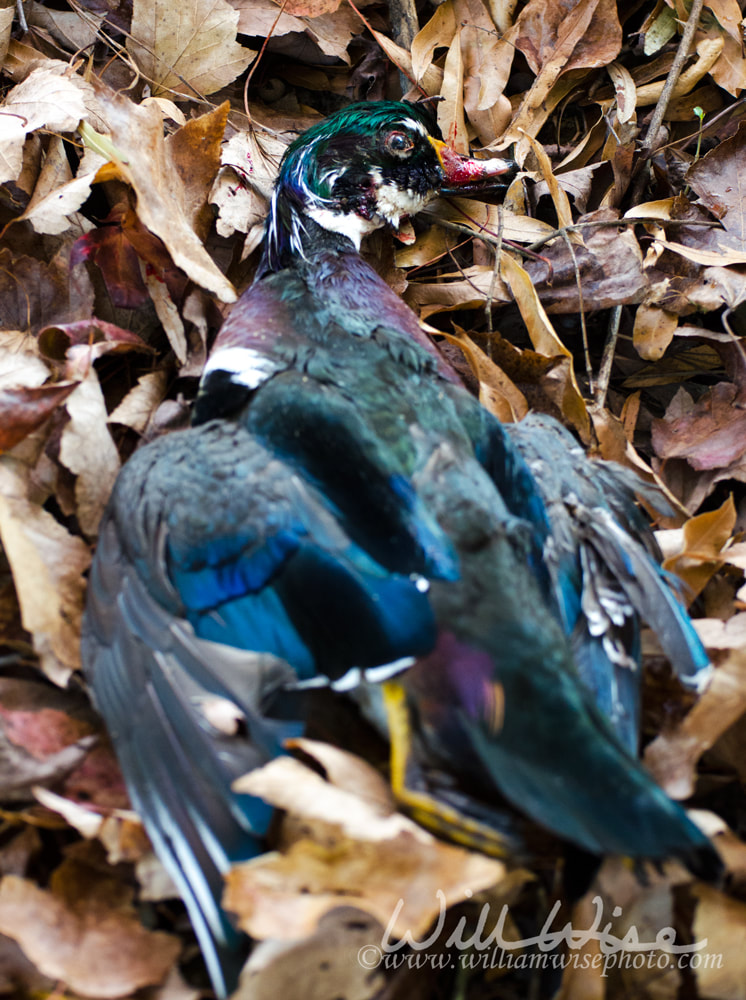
(353, 226)
(244, 365)
(393, 204)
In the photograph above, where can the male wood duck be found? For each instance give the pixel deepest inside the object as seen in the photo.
(344, 513)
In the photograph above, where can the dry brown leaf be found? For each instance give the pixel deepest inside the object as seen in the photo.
(49, 97)
(12, 138)
(311, 8)
(497, 392)
(290, 785)
(723, 257)
(195, 153)
(546, 341)
(24, 409)
(708, 53)
(624, 88)
(432, 79)
(318, 967)
(244, 183)
(87, 450)
(703, 540)
(166, 186)
(439, 32)
(48, 565)
(168, 314)
(718, 180)
(559, 197)
(709, 434)
(57, 196)
(20, 364)
(660, 209)
(653, 331)
(349, 850)
(582, 980)
(119, 830)
(722, 923)
(6, 23)
(487, 63)
(331, 31)
(45, 734)
(480, 216)
(729, 71)
(84, 931)
(672, 756)
(350, 773)
(451, 109)
(469, 293)
(429, 246)
(188, 49)
(609, 264)
(554, 40)
(141, 402)
(73, 30)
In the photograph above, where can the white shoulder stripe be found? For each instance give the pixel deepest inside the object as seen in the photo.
(245, 366)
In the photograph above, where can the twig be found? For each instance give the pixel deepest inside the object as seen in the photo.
(404, 26)
(249, 75)
(489, 237)
(495, 271)
(604, 372)
(724, 319)
(21, 16)
(581, 310)
(404, 75)
(656, 120)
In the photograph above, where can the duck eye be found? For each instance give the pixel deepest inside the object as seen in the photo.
(399, 143)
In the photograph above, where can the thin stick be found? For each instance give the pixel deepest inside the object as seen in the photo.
(490, 237)
(249, 75)
(604, 372)
(583, 326)
(656, 120)
(495, 271)
(404, 26)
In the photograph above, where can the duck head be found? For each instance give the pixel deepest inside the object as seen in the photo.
(370, 166)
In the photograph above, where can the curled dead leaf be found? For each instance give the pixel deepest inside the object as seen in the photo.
(84, 931)
(672, 756)
(349, 853)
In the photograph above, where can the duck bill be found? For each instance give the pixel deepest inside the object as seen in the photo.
(464, 175)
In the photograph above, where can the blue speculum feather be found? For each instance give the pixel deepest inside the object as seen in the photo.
(220, 571)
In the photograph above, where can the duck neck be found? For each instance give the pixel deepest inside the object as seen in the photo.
(302, 223)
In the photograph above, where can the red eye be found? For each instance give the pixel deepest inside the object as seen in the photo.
(399, 143)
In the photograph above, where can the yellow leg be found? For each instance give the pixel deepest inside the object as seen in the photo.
(425, 809)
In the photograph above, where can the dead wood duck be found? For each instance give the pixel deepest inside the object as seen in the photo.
(344, 513)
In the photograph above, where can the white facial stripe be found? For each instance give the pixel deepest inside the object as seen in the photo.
(415, 126)
(244, 365)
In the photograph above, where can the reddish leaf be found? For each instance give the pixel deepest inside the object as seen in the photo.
(102, 337)
(117, 248)
(711, 436)
(118, 262)
(24, 409)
